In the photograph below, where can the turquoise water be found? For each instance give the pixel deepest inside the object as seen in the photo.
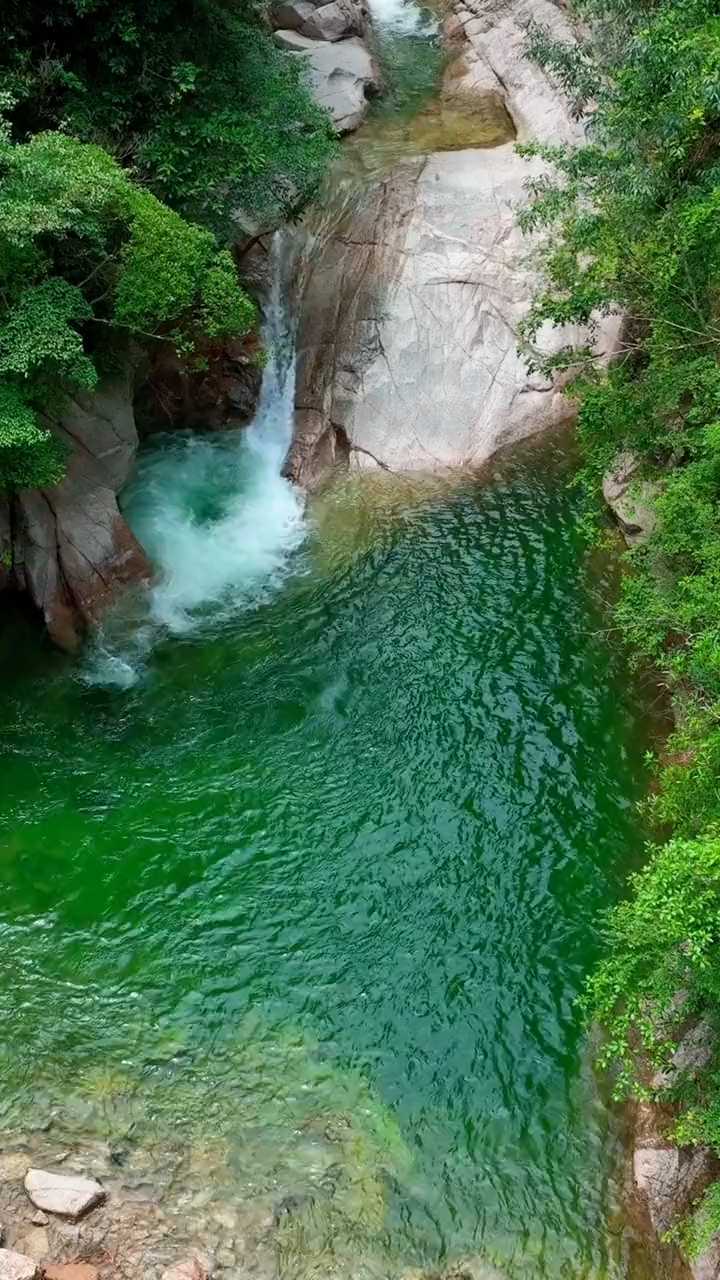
(321, 886)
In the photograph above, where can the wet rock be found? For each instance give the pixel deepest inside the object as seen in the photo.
(17, 1266)
(226, 1217)
(68, 1195)
(631, 498)
(223, 394)
(71, 1271)
(195, 1268)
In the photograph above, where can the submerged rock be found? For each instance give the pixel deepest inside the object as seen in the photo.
(35, 1243)
(17, 1266)
(68, 1195)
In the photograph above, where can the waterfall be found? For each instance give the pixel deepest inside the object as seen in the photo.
(213, 512)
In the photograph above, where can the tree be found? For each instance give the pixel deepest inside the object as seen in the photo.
(192, 93)
(86, 256)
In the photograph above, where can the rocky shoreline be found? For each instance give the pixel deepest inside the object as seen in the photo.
(664, 1182)
(96, 1216)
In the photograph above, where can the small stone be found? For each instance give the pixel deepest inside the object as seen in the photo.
(16, 1266)
(70, 1196)
(40, 1219)
(191, 1269)
(71, 1271)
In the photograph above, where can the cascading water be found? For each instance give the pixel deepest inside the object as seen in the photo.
(213, 512)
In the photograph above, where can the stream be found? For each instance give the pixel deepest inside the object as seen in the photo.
(305, 859)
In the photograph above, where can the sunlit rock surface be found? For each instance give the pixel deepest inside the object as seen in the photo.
(408, 338)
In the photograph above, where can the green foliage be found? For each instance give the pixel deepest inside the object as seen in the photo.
(29, 455)
(635, 219)
(118, 123)
(171, 277)
(696, 1232)
(84, 252)
(662, 940)
(194, 93)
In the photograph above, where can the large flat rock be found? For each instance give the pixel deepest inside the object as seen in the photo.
(68, 1195)
(408, 338)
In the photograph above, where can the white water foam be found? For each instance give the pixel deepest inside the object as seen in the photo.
(401, 17)
(214, 514)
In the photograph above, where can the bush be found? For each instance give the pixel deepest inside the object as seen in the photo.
(635, 215)
(86, 255)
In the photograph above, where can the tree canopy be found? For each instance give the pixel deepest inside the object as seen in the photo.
(136, 136)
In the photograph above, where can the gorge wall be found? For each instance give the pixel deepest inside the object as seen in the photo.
(410, 301)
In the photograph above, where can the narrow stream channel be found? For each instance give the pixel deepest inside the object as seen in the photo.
(304, 865)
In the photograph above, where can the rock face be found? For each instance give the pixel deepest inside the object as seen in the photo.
(69, 548)
(68, 1195)
(343, 75)
(668, 1181)
(223, 395)
(631, 499)
(408, 336)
